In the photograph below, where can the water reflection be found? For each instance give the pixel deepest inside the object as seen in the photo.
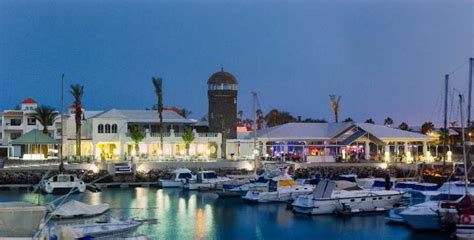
(193, 215)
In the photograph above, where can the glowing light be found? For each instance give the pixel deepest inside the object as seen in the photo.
(344, 154)
(116, 152)
(449, 156)
(94, 168)
(182, 152)
(387, 156)
(256, 152)
(208, 152)
(383, 166)
(409, 157)
(429, 158)
(160, 152)
(133, 152)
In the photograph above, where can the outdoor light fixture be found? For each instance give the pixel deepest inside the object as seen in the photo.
(409, 157)
(256, 152)
(387, 156)
(344, 154)
(449, 156)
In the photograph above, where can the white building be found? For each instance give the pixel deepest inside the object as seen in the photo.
(106, 136)
(326, 142)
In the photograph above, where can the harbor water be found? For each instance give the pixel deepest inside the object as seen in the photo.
(202, 215)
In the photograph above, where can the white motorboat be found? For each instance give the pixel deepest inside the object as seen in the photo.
(280, 189)
(409, 198)
(62, 183)
(426, 215)
(76, 209)
(179, 177)
(20, 219)
(326, 200)
(205, 180)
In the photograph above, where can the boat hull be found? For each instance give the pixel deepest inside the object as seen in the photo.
(308, 205)
(30, 218)
(170, 184)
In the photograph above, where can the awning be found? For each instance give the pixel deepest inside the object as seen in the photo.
(34, 136)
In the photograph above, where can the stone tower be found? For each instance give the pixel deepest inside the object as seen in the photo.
(222, 95)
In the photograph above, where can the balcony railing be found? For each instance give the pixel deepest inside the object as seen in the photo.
(178, 135)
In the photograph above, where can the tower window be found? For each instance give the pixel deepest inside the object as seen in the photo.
(107, 128)
(100, 128)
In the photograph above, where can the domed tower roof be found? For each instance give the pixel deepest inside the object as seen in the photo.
(221, 77)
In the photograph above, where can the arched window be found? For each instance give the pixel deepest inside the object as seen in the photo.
(114, 128)
(101, 128)
(107, 128)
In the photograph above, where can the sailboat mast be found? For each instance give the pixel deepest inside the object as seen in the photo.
(254, 109)
(446, 131)
(463, 140)
(62, 119)
(471, 66)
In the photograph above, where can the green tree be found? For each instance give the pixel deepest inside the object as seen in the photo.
(158, 84)
(370, 120)
(388, 122)
(46, 116)
(427, 127)
(77, 92)
(137, 135)
(335, 106)
(275, 118)
(188, 138)
(185, 112)
(403, 126)
(348, 120)
(310, 120)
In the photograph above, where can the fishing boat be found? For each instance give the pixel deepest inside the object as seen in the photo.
(20, 219)
(180, 175)
(326, 200)
(76, 209)
(62, 183)
(205, 180)
(280, 189)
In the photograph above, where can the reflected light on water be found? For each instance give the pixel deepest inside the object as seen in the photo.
(200, 223)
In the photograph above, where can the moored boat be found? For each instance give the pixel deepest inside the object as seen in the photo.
(62, 183)
(280, 189)
(326, 200)
(205, 180)
(179, 177)
(20, 219)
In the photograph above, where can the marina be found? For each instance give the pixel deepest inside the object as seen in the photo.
(202, 215)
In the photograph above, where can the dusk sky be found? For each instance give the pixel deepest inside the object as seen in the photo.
(385, 58)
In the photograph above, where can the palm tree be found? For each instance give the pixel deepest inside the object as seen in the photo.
(427, 127)
(137, 135)
(370, 120)
(335, 106)
(388, 122)
(348, 120)
(185, 112)
(157, 83)
(188, 137)
(403, 126)
(46, 116)
(77, 91)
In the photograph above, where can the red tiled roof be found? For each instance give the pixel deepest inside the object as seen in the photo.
(13, 113)
(29, 100)
(175, 109)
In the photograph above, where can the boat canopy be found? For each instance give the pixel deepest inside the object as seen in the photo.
(75, 208)
(286, 183)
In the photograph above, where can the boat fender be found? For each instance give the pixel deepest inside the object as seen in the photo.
(466, 219)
